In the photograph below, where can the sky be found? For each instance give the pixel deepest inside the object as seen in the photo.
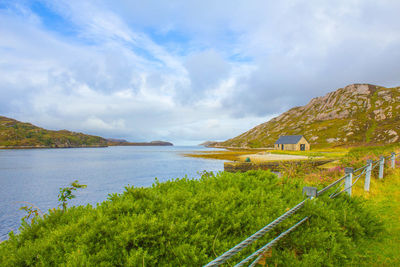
(186, 71)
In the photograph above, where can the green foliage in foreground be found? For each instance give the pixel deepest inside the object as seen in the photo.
(358, 156)
(66, 193)
(189, 222)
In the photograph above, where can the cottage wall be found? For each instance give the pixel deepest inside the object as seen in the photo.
(303, 141)
(293, 147)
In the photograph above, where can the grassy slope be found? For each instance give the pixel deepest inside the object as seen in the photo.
(15, 133)
(384, 196)
(366, 128)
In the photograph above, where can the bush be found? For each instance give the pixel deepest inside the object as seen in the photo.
(358, 156)
(186, 222)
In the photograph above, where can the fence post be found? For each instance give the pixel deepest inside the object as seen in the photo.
(368, 175)
(393, 160)
(381, 166)
(349, 180)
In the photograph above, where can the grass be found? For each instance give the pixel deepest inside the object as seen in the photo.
(238, 154)
(232, 155)
(331, 153)
(384, 196)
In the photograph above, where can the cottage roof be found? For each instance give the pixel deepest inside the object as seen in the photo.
(289, 139)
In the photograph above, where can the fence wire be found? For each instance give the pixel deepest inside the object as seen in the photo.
(323, 190)
(269, 245)
(355, 177)
(245, 243)
(374, 166)
(359, 169)
(337, 188)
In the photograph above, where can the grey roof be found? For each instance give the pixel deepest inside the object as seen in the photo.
(289, 139)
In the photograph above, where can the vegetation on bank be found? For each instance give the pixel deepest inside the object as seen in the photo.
(19, 134)
(241, 154)
(342, 156)
(230, 154)
(186, 222)
(16, 134)
(384, 197)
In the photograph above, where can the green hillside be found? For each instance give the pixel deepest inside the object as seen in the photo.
(358, 114)
(14, 133)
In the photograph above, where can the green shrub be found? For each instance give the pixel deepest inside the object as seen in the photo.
(358, 156)
(186, 222)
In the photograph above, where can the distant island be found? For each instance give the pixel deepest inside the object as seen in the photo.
(21, 135)
(126, 143)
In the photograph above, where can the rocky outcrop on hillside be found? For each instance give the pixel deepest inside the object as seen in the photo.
(355, 114)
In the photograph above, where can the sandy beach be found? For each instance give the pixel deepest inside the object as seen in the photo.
(265, 156)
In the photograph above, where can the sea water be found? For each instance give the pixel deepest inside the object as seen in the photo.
(35, 175)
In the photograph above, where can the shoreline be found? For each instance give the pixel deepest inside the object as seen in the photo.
(46, 147)
(66, 147)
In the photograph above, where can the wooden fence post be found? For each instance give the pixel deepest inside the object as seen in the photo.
(349, 180)
(368, 175)
(381, 166)
(393, 160)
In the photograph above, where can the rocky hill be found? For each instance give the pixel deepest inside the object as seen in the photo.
(16, 134)
(208, 143)
(354, 115)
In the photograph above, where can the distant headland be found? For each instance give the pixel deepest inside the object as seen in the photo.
(121, 142)
(21, 135)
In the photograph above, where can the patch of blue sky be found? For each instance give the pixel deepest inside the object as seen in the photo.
(227, 42)
(10, 7)
(51, 20)
(6, 4)
(171, 36)
(240, 58)
(174, 41)
(143, 53)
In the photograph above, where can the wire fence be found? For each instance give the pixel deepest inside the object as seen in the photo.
(348, 181)
(333, 195)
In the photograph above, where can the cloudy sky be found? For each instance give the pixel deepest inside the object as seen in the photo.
(186, 71)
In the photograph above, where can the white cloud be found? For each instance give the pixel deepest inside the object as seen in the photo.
(187, 71)
(98, 124)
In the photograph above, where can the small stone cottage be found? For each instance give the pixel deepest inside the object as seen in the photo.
(292, 142)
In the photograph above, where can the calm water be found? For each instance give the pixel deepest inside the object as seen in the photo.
(36, 175)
